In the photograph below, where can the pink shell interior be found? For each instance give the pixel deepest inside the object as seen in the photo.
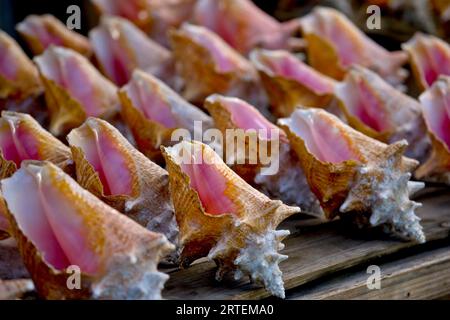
(17, 144)
(103, 153)
(436, 109)
(324, 140)
(35, 27)
(46, 217)
(8, 62)
(286, 65)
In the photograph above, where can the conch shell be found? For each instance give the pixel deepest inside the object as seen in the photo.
(243, 25)
(351, 173)
(334, 44)
(74, 245)
(153, 111)
(42, 31)
(112, 169)
(153, 17)
(209, 65)
(19, 77)
(22, 138)
(74, 89)
(429, 57)
(222, 217)
(378, 110)
(289, 82)
(262, 155)
(436, 111)
(120, 47)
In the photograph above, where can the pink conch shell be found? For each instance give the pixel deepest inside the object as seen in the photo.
(112, 169)
(380, 111)
(334, 44)
(290, 83)
(62, 229)
(74, 89)
(153, 111)
(22, 138)
(19, 78)
(154, 17)
(429, 56)
(265, 160)
(436, 110)
(42, 31)
(243, 25)
(208, 65)
(353, 175)
(120, 47)
(224, 218)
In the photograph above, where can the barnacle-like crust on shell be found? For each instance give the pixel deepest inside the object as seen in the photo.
(34, 26)
(324, 56)
(149, 202)
(26, 80)
(66, 111)
(375, 180)
(245, 241)
(128, 253)
(399, 114)
(437, 167)
(203, 76)
(285, 94)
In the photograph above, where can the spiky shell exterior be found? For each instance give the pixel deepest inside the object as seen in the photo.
(229, 238)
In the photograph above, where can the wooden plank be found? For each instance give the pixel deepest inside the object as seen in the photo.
(314, 251)
(422, 276)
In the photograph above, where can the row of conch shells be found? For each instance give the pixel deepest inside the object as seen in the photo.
(76, 246)
(353, 175)
(436, 110)
(153, 111)
(222, 217)
(334, 44)
(209, 65)
(261, 154)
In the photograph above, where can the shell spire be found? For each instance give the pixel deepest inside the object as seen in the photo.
(351, 173)
(289, 82)
(334, 43)
(153, 111)
(436, 111)
(209, 65)
(63, 230)
(42, 31)
(375, 108)
(127, 181)
(269, 164)
(224, 218)
(74, 89)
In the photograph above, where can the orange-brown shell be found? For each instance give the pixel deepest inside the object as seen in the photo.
(26, 81)
(287, 94)
(331, 182)
(201, 231)
(116, 240)
(54, 28)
